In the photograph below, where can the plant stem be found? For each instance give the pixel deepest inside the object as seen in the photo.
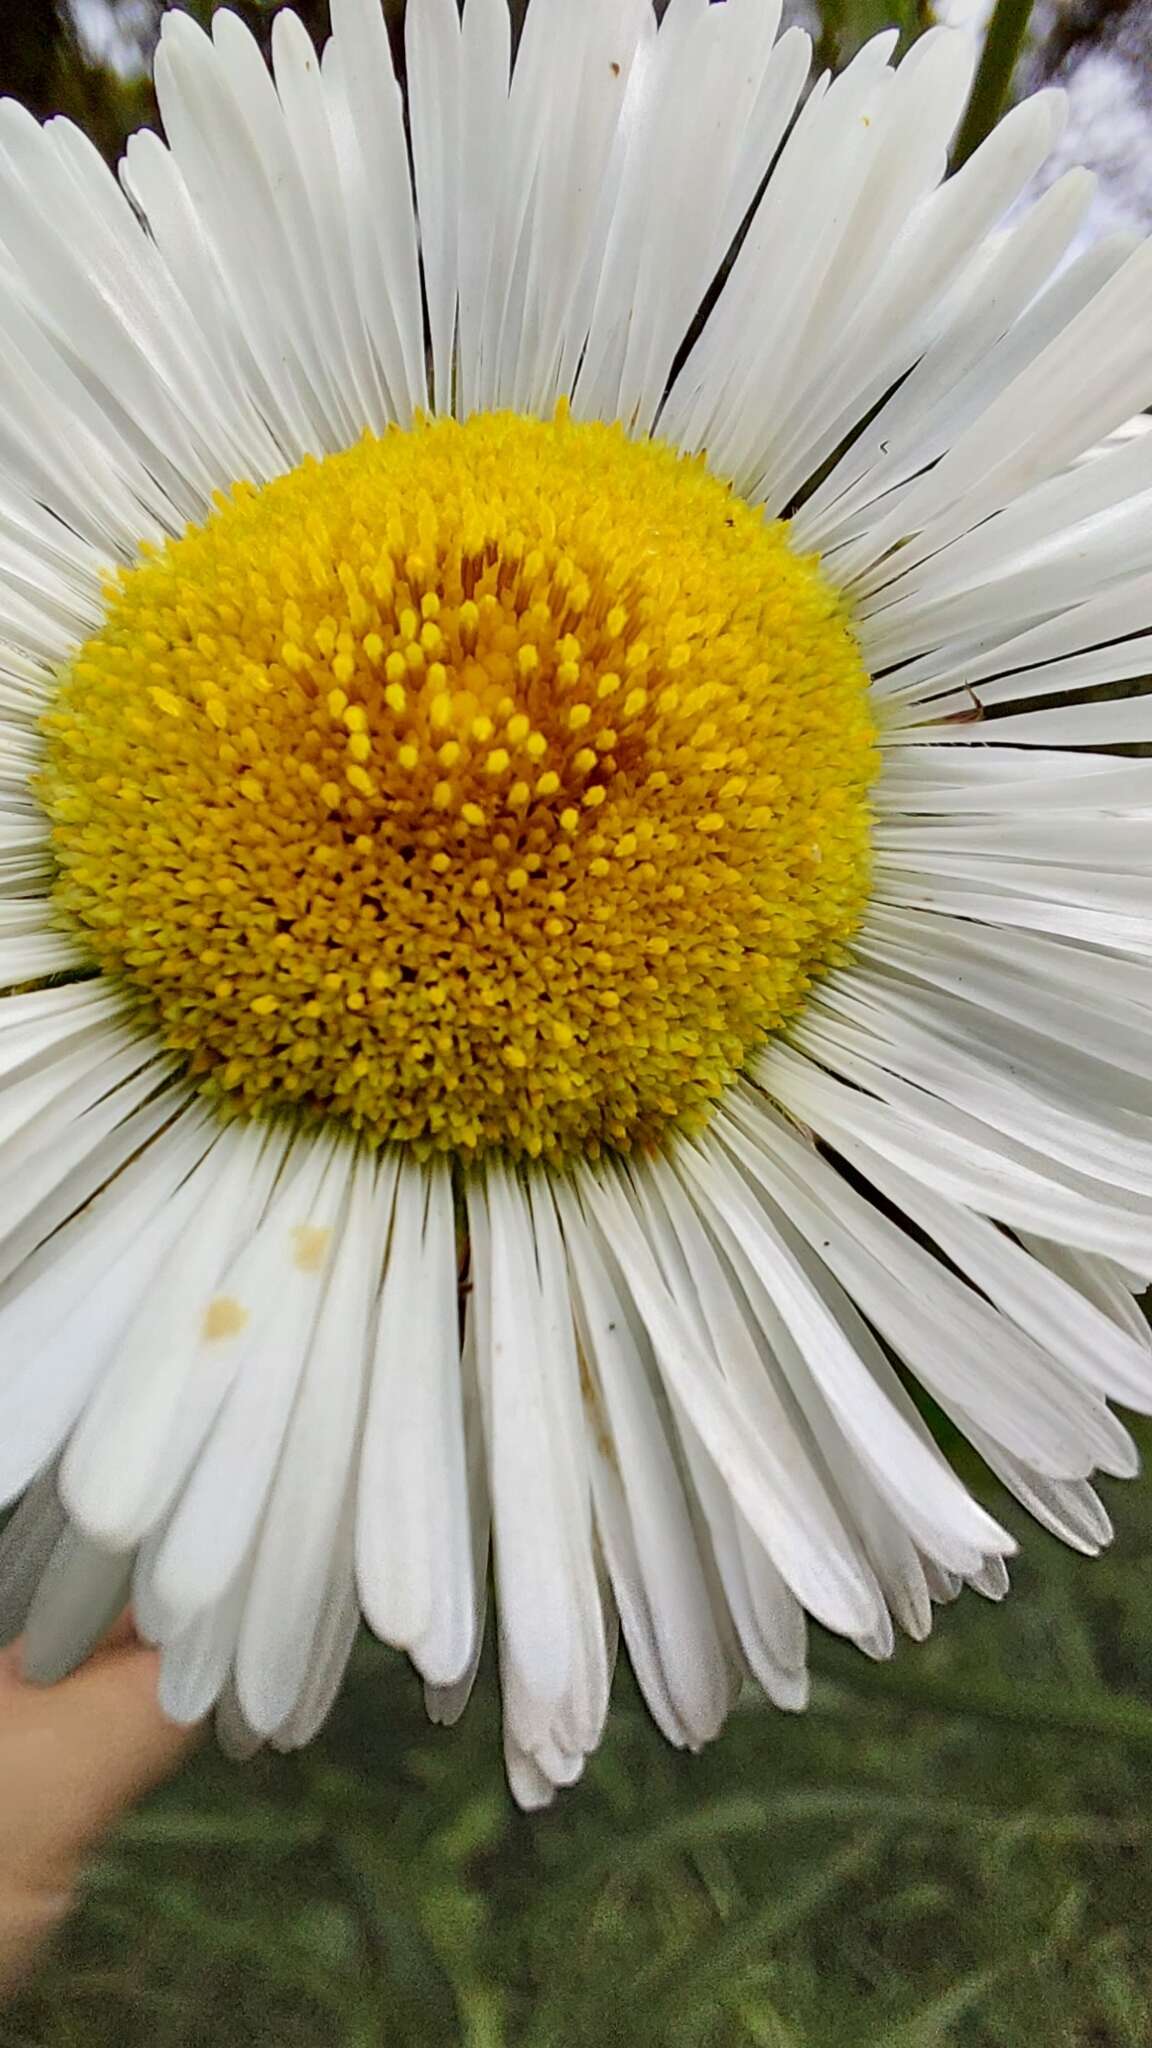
(993, 80)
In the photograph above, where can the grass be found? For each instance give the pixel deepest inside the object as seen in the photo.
(953, 1848)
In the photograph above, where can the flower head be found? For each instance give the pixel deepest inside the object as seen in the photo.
(570, 912)
(498, 785)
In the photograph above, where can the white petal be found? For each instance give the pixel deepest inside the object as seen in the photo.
(1064, 396)
(194, 1666)
(433, 45)
(63, 1313)
(1018, 1085)
(552, 1638)
(1106, 1286)
(446, 1703)
(960, 1158)
(1110, 723)
(152, 1408)
(337, 1626)
(706, 102)
(767, 1461)
(1068, 1507)
(315, 1478)
(716, 402)
(310, 140)
(978, 1366)
(1075, 1334)
(82, 1591)
(890, 251)
(414, 1555)
(839, 1389)
(993, 293)
(368, 124)
(277, 1281)
(642, 1514)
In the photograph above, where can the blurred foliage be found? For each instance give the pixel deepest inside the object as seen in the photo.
(955, 1848)
(30, 37)
(42, 64)
(844, 25)
(43, 61)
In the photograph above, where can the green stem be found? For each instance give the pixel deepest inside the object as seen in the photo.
(993, 81)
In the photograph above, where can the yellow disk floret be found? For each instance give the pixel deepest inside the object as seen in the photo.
(498, 784)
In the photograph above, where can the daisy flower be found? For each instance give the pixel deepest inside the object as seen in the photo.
(574, 927)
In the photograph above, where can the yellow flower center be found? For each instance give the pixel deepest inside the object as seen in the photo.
(489, 785)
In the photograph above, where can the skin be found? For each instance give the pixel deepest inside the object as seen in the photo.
(73, 1758)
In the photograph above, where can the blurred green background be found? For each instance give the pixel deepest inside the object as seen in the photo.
(952, 1848)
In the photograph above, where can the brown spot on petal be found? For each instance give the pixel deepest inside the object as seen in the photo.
(224, 1317)
(309, 1247)
(594, 1408)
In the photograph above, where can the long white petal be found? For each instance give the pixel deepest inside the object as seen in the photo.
(277, 1283)
(315, 1476)
(414, 1532)
(642, 1513)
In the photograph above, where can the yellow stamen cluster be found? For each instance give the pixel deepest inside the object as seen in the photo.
(497, 784)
